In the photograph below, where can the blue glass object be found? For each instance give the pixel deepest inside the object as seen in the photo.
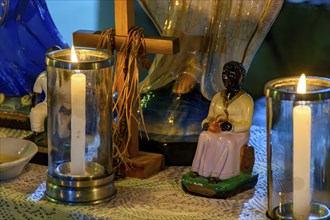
(26, 32)
(174, 118)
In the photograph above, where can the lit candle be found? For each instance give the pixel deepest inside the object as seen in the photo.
(78, 120)
(301, 156)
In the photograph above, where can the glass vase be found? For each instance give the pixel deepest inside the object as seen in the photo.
(298, 178)
(79, 104)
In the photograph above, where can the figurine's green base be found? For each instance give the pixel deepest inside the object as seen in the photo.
(225, 188)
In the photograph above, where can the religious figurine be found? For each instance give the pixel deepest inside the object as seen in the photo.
(222, 152)
(38, 111)
(211, 34)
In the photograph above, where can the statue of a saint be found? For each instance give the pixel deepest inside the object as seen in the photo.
(178, 89)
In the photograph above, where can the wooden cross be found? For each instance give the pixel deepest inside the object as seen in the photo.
(144, 164)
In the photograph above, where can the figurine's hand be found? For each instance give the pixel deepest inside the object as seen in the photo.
(184, 84)
(226, 126)
(205, 126)
(214, 127)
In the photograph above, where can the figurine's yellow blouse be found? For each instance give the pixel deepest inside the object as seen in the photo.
(239, 110)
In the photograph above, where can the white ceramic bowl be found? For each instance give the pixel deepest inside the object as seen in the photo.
(19, 152)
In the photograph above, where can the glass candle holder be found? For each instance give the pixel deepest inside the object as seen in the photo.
(298, 159)
(79, 102)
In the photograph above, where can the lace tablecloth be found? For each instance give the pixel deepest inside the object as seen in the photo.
(159, 197)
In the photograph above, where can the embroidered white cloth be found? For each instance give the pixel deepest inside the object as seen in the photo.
(159, 197)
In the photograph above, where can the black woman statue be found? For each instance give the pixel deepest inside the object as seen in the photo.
(222, 156)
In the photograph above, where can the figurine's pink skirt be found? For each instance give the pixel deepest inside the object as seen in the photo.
(218, 154)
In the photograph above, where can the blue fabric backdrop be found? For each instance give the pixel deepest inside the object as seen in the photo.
(26, 32)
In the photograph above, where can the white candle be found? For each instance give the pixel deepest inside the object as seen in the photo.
(78, 121)
(301, 156)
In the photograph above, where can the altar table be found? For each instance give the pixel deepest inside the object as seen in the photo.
(158, 197)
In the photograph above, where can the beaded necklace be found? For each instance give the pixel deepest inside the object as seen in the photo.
(226, 101)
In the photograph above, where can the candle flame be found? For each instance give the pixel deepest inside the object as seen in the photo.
(73, 55)
(301, 88)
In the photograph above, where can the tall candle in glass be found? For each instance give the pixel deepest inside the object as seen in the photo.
(78, 119)
(79, 101)
(298, 148)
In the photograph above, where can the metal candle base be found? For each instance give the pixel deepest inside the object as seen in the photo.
(95, 187)
(284, 212)
(92, 170)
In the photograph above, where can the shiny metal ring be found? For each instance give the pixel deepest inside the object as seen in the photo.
(97, 59)
(285, 89)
